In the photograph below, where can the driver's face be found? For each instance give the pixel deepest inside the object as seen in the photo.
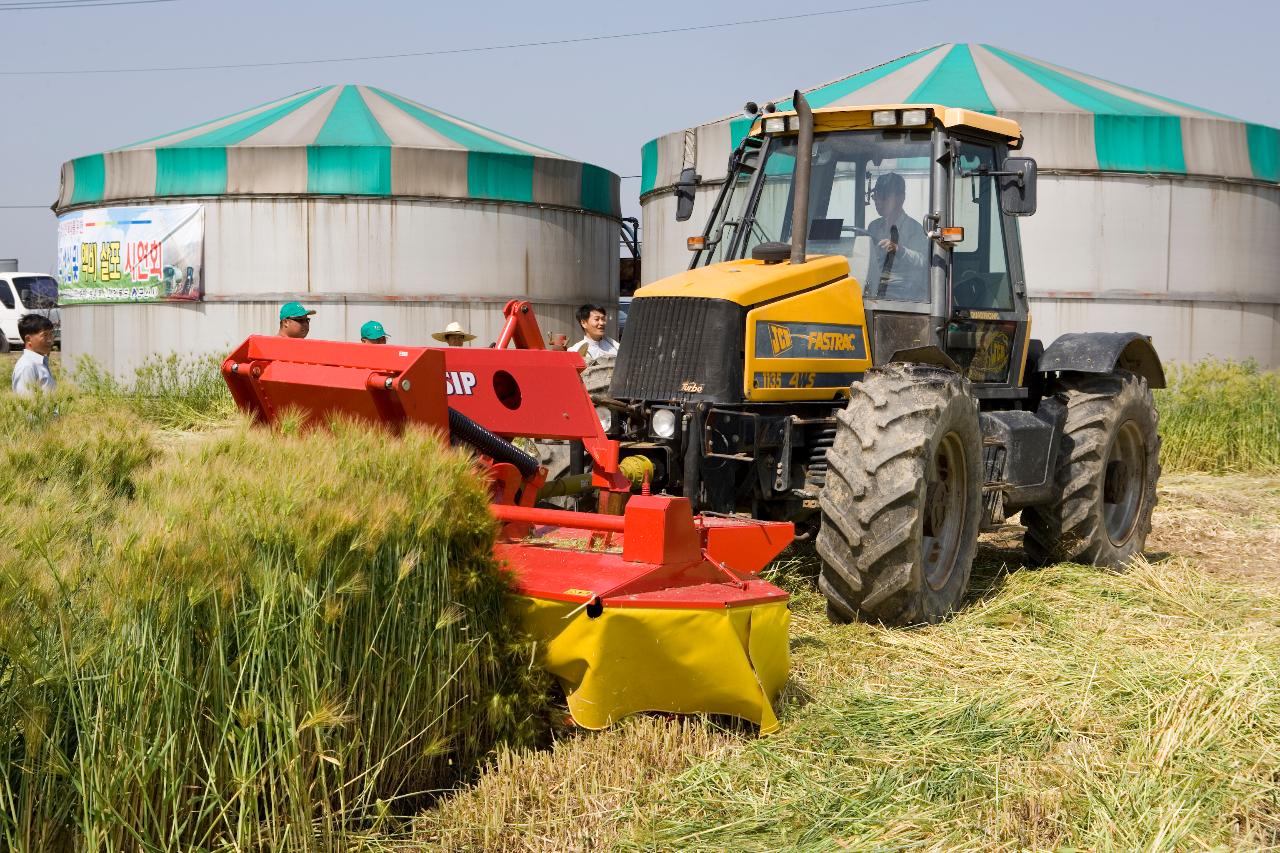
(888, 205)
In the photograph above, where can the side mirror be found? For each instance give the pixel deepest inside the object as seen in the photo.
(1018, 186)
(689, 178)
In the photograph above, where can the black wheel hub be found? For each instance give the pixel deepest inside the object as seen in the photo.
(1124, 483)
(946, 495)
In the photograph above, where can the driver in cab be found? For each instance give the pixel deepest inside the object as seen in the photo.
(900, 253)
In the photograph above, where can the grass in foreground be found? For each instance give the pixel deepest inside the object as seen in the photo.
(1064, 708)
(264, 642)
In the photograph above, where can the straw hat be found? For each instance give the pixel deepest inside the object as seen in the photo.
(454, 328)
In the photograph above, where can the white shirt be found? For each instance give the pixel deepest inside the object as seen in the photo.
(908, 277)
(32, 373)
(606, 346)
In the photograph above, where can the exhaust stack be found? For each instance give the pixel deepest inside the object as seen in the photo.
(804, 168)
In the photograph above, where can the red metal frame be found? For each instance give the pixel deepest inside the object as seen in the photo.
(521, 326)
(668, 558)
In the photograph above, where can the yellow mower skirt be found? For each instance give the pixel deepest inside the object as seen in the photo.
(728, 660)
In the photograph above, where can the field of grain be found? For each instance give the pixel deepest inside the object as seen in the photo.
(1064, 707)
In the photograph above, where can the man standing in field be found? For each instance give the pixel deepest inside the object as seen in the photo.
(594, 344)
(31, 373)
(295, 320)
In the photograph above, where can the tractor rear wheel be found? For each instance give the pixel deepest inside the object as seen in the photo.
(903, 497)
(1105, 484)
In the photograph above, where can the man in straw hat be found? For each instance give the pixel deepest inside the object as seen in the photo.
(454, 335)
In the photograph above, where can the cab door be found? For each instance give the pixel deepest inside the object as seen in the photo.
(987, 329)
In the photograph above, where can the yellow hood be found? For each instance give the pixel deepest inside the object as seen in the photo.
(750, 282)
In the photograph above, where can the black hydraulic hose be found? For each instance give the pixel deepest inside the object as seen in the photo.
(462, 428)
(691, 487)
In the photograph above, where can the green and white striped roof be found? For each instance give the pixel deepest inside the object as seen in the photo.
(1071, 120)
(339, 141)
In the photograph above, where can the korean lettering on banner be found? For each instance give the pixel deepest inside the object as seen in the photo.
(131, 254)
(142, 259)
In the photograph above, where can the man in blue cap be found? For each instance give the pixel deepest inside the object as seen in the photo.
(295, 320)
(373, 333)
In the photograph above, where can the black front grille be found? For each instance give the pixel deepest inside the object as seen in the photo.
(679, 348)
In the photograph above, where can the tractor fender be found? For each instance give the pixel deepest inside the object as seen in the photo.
(1103, 352)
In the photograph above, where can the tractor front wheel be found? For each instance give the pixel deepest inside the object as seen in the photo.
(903, 497)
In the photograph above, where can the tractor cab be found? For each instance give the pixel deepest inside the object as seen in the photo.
(921, 201)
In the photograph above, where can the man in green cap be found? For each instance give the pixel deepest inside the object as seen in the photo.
(373, 333)
(295, 320)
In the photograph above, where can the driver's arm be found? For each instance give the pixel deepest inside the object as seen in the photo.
(912, 246)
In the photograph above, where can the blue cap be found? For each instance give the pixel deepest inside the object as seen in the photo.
(372, 331)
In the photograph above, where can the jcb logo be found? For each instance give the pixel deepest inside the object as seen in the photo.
(780, 338)
(459, 382)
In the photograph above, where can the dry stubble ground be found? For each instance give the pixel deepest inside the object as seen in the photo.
(1099, 779)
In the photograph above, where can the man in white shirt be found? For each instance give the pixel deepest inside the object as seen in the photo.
(31, 373)
(594, 344)
(900, 251)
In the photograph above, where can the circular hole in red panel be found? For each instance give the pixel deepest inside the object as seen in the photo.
(507, 389)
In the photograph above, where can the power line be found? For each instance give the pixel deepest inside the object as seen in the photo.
(458, 50)
(57, 5)
(25, 207)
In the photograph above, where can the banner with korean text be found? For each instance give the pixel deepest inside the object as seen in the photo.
(131, 254)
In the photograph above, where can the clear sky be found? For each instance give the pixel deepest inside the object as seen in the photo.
(598, 101)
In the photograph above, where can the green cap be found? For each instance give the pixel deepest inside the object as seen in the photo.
(294, 310)
(372, 330)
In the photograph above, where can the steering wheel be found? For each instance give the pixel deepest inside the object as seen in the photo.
(855, 231)
(973, 286)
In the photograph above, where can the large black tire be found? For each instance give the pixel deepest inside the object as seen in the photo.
(903, 497)
(1105, 484)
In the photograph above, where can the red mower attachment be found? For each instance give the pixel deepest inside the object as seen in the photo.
(652, 610)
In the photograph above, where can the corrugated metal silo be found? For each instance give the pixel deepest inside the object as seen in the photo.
(353, 200)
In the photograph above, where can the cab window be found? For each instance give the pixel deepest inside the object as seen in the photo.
(979, 269)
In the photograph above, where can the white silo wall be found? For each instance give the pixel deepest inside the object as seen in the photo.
(414, 265)
(1192, 262)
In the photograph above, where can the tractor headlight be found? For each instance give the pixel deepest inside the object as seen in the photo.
(775, 124)
(605, 415)
(663, 423)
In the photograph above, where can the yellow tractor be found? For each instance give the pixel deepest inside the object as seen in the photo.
(850, 350)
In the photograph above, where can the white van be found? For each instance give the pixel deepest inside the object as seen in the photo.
(26, 293)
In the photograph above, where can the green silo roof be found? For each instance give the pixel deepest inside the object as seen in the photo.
(1071, 120)
(339, 141)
